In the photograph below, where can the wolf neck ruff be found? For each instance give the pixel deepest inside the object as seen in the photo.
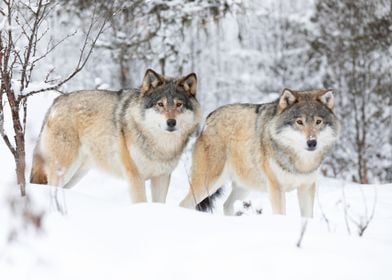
(287, 163)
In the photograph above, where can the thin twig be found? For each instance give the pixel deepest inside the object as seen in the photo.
(325, 218)
(345, 210)
(363, 221)
(304, 224)
(31, 44)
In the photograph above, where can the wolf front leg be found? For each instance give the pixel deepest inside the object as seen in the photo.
(306, 200)
(159, 188)
(137, 190)
(277, 197)
(135, 182)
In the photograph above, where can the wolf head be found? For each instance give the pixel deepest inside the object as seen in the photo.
(170, 103)
(305, 120)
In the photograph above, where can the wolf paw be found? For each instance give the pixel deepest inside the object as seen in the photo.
(239, 213)
(247, 204)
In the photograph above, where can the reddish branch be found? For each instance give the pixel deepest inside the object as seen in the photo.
(13, 62)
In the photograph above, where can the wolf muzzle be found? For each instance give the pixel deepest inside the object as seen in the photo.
(171, 124)
(312, 144)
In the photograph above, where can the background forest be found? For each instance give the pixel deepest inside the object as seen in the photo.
(248, 51)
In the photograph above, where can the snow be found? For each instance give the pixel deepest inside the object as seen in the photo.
(109, 238)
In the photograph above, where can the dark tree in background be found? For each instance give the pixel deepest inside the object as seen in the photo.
(352, 45)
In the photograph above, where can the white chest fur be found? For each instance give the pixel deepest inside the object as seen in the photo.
(149, 168)
(289, 181)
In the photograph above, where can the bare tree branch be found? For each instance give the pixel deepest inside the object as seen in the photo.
(31, 43)
(325, 218)
(81, 62)
(2, 132)
(53, 47)
(2, 12)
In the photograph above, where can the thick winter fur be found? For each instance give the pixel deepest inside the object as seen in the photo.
(275, 147)
(136, 134)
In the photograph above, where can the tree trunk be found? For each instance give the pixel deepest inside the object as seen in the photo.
(19, 155)
(20, 161)
(124, 70)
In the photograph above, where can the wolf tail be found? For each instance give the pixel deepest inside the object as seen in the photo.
(207, 204)
(38, 175)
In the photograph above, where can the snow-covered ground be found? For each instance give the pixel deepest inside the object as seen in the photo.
(100, 235)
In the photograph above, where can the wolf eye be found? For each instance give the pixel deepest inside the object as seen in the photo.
(319, 122)
(300, 122)
(179, 104)
(160, 104)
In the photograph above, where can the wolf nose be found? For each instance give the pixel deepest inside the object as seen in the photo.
(312, 144)
(171, 122)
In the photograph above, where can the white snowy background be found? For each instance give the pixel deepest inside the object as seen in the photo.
(247, 55)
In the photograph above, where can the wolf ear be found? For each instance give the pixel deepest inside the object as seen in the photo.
(286, 99)
(189, 83)
(327, 99)
(151, 80)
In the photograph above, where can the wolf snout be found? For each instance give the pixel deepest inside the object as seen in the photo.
(171, 124)
(312, 144)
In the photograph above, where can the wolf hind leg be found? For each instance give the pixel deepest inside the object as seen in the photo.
(237, 193)
(208, 164)
(68, 179)
(59, 150)
(159, 188)
(62, 160)
(65, 173)
(77, 176)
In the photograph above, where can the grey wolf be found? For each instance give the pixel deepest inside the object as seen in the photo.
(137, 134)
(275, 147)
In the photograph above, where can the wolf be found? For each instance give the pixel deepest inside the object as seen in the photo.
(275, 147)
(136, 134)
